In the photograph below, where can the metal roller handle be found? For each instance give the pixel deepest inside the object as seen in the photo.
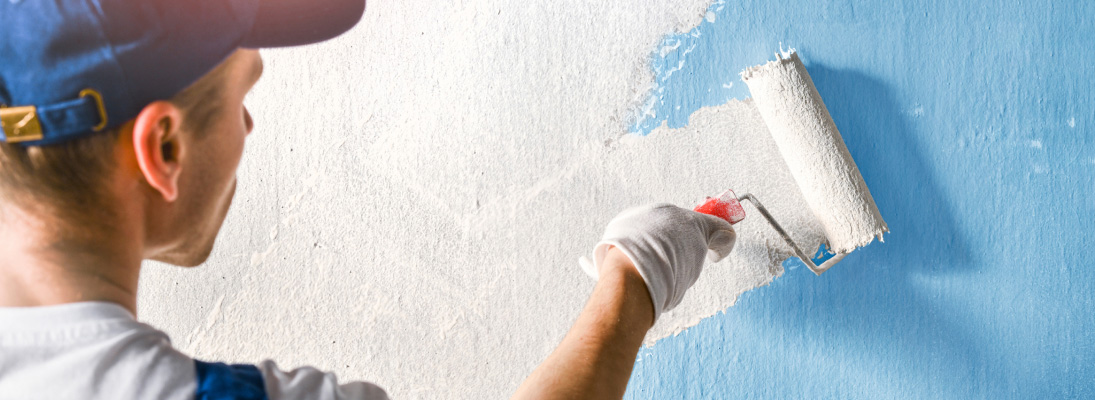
(818, 269)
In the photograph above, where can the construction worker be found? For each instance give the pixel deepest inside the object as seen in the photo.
(122, 128)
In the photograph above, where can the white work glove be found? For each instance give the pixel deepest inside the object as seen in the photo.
(667, 244)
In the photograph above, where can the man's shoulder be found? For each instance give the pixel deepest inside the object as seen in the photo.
(99, 351)
(89, 351)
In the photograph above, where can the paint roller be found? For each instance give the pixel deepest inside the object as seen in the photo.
(818, 160)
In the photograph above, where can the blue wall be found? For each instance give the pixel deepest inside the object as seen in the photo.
(972, 125)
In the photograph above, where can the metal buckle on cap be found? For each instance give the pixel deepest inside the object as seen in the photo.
(99, 105)
(65, 120)
(20, 124)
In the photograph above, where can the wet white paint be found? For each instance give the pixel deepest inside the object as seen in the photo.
(416, 194)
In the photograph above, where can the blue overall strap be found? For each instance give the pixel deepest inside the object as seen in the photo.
(220, 381)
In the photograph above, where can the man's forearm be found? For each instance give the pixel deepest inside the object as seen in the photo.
(595, 359)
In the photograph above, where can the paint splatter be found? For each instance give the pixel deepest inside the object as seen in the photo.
(669, 48)
(916, 111)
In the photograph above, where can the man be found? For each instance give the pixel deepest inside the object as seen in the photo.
(122, 127)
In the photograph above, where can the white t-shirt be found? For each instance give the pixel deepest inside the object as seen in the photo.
(97, 350)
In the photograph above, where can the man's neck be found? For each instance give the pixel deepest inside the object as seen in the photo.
(41, 268)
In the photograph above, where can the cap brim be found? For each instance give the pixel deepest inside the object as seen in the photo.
(282, 23)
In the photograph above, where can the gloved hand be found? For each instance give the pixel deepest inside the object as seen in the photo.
(667, 244)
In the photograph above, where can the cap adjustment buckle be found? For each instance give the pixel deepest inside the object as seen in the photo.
(20, 124)
(61, 120)
(98, 107)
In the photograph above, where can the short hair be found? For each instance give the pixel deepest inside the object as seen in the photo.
(68, 181)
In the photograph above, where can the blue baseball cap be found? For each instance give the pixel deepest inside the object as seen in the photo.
(69, 68)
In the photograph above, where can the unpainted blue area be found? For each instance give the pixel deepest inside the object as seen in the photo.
(823, 254)
(972, 125)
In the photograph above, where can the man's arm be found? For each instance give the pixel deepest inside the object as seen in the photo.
(595, 359)
(646, 260)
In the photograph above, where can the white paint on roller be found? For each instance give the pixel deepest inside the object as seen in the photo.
(415, 196)
(811, 144)
(727, 145)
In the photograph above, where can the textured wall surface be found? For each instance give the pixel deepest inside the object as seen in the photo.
(972, 123)
(416, 193)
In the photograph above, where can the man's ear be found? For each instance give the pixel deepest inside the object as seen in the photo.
(157, 147)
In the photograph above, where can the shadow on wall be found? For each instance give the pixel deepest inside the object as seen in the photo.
(874, 317)
(888, 322)
(925, 237)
